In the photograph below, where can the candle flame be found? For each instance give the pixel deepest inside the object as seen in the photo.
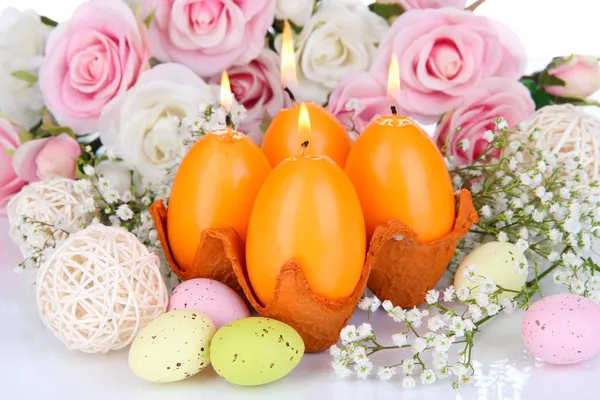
(288, 57)
(304, 127)
(226, 95)
(393, 89)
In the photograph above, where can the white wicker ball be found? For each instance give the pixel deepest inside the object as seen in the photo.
(54, 202)
(568, 132)
(99, 288)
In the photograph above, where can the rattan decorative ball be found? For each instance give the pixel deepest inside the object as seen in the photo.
(45, 213)
(99, 288)
(568, 132)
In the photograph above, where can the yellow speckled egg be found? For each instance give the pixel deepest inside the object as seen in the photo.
(172, 347)
(496, 261)
(254, 351)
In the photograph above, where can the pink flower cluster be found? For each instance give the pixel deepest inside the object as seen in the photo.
(447, 57)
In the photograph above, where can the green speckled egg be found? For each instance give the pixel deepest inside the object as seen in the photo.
(254, 351)
(172, 347)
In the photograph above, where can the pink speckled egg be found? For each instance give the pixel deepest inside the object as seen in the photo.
(562, 329)
(213, 298)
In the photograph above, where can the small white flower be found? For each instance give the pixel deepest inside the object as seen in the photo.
(449, 294)
(514, 146)
(468, 324)
(464, 144)
(555, 235)
(443, 373)
(124, 212)
(522, 245)
(428, 376)
(506, 180)
(111, 196)
(594, 296)
(408, 366)
(542, 166)
(398, 314)
(538, 216)
(335, 352)
(524, 233)
(475, 312)
(486, 211)
(482, 299)
(419, 344)
(470, 273)
(577, 286)
(89, 170)
(502, 237)
(593, 283)
(399, 339)
(408, 382)
(559, 277)
(565, 193)
(442, 343)
(492, 309)
(440, 360)
(571, 260)
(508, 305)
(364, 331)
(127, 196)
(525, 179)
(359, 356)
(387, 305)
(487, 286)
(349, 334)
(82, 186)
(341, 369)
(572, 225)
(489, 136)
(386, 373)
(89, 205)
(463, 293)
(435, 323)
(457, 326)
(432, 296)
(459, 369)
(363, 370)
(414, 317)
(522, 267)
(146, 201)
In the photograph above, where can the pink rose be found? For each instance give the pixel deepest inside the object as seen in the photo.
(10, 184)
(443, 55)
(40, 159)
(581, 75)
(477, 113)
(90, 59)
(257, 86)
(412, 4)
(209, 36)
(358, 100)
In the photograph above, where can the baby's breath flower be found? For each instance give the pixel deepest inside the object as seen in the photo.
(482, 299)
(577, 286)
(502, 237)
(399, 339)
(408, 382)
(89, 170)
(408, 366)
(428, 376)
(492, 309)
(341, 369)
(449, 294)
(489, 136)
(559, 276)
(464, 144)
(432, 296)
(124, 212)
(522, 245)
(369, 304)
(486, 211)
(386, 373)
(435, 323)
(349, 334)
(463, 293)
(364, 331)
(418, 345)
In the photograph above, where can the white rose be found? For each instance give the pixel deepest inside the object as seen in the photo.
(22, 42)
(116, 173)
(339, 39)
(138, 125)
(297, 11)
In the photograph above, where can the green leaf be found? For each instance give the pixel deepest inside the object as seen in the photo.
(57, 130)
(266, 122)
(545, 79)
(538, 95)
(386, 11)
(48, 21)
(25, 136)
(148, 20)
(10, 152)
(154, 62)
(25, 76)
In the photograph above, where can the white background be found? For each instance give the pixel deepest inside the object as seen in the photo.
(33, 365)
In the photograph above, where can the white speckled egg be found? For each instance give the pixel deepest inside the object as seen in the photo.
(172, 347)
(495, 261)
(562, 329)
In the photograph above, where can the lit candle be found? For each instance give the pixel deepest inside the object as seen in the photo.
(307, 210)
(283, 137)
(400, 174)
(215, 186)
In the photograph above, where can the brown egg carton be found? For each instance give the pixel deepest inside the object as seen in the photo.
(220, 256)
(404, 270)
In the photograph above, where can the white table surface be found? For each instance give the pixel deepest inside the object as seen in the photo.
(35, 365)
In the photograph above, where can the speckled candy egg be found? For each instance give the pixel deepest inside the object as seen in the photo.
(254, 351)
(213, 298)
(495, 261)
(562, 329)
(172, 347)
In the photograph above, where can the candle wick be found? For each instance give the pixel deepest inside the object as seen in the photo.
(289, 92)
(304, 145)
(394, 111)
(228, 121)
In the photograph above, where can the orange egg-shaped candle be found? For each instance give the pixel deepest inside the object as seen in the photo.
(215, 187)
(328, 136)
(307, 210)
(399, 173)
